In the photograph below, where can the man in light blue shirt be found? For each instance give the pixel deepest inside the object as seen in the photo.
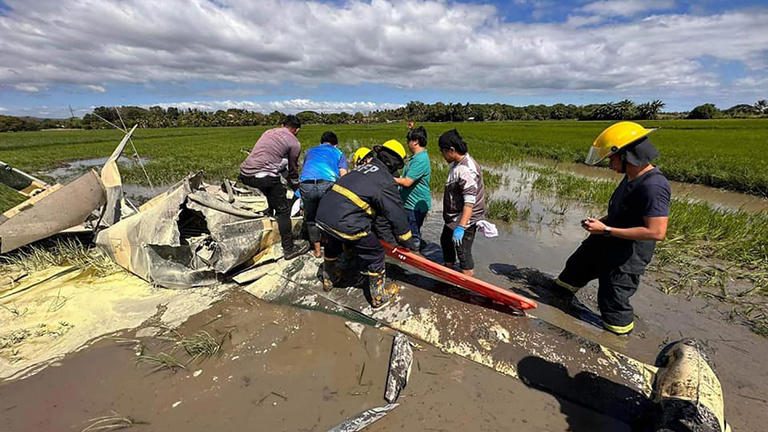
(414, 183)
(323, 165)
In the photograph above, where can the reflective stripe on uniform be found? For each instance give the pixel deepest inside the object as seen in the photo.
(348, 194)
(357, 236)
(566, 285)
(406, 236)
(619, 329)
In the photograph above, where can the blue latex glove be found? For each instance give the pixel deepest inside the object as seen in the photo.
(458, 235)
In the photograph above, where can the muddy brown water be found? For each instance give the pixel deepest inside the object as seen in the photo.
(737, 354)
(286, 368)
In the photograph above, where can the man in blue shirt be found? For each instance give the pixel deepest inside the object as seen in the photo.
(323, 165)
(414, 183)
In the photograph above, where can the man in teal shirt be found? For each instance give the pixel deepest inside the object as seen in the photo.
(414, 183)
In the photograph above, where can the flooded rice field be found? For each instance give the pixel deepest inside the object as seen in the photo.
(68, 171)
(303, 368)
(290, 358)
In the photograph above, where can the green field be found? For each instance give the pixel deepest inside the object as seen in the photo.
(706, 247)
(722, 153)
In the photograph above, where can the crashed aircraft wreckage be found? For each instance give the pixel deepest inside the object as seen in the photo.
(197, 234)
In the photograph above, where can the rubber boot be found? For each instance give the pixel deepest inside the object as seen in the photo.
(331, 274)
(377, 289)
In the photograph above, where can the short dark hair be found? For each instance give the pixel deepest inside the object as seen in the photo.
(418, 134)
(292, 121)
(329, 137)
(452, 140)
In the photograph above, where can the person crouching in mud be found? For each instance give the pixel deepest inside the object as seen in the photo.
(621, 244)
(463, 202)
(353, 211)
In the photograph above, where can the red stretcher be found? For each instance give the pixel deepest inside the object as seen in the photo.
(493, 292)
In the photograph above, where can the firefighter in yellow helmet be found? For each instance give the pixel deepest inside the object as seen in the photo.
(620, 244)
(359, 210)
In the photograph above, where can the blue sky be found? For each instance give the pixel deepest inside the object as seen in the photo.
(363, 55)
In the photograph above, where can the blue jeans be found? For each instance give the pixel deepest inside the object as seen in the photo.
(311, 193)
(416, 220)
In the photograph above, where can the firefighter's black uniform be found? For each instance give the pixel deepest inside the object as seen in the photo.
(348, 210)
(618, 263)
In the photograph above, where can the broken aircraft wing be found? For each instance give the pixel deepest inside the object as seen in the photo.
(51, 211)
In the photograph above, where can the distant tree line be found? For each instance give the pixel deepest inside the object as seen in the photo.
(159, 117)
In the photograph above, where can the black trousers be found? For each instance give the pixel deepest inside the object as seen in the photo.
(275, 192)
(464, 252)
(368, 250)
(615, 287)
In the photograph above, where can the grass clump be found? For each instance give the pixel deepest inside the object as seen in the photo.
(197, 346)
(161, 361)
(9, 198)
(114, 421)
(61, 252)
(507, 211)
(201, 344)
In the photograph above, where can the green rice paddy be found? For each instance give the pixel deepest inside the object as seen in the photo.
(721, 153)
(705, 246)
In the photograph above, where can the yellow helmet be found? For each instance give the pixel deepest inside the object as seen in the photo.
(614, 138)
(395, 146)
(360, 154)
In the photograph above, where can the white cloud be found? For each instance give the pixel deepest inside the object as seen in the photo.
(3, 109)
(96, 88)
(403, 43)
(291, 106)
(27, 87)
(625, 8)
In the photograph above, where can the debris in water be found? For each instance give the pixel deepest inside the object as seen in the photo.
(400, 362)
(364, 419)
(356, 328)
(175, 404)
(197, 373)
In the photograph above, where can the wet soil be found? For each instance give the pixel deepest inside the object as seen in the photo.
(281, 369)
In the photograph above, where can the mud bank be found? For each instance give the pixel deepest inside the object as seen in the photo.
(51, 313)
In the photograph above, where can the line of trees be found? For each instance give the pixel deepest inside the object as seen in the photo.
(159, 117)
(440, 112)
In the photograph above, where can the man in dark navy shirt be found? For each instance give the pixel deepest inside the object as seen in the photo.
(621, 244)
